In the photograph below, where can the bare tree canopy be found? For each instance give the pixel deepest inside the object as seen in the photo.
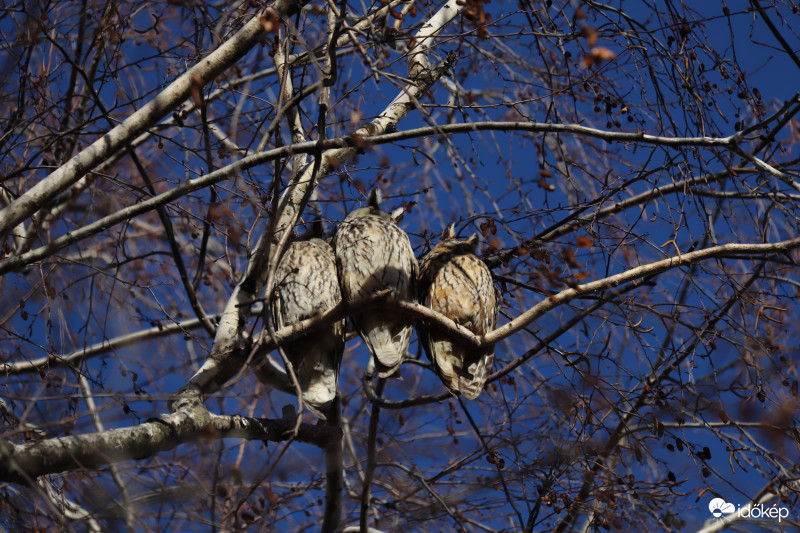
(627, 171)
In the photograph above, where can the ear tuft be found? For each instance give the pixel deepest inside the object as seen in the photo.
(473, 241)
(375, 198)
(398, 215)
(449, 232)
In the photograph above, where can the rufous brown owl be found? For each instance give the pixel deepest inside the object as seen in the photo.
(306, 284)
(455, 283)
(374, 254)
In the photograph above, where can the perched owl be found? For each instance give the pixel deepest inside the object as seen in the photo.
(373, 253)
(455, 283)
(306, 284)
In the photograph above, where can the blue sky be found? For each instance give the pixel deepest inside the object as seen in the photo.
(490, 177)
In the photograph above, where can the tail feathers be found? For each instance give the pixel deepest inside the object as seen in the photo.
(388, 357)
(320, 392)
(388, 341)
(460, 371)
(316, 365)
(471, 383)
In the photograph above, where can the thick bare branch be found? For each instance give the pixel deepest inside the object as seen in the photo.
(25, 462)
(658, 267)
(204, 72)
(337, 151)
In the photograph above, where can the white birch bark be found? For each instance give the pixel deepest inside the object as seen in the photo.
(179, 90)
(25, 462)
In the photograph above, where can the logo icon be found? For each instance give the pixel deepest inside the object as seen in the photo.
(719, 507)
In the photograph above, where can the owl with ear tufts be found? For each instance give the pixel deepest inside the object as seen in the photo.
(305, 286)
(374, 254)
(455, 283)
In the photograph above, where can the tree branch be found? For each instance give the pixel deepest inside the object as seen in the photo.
(660, 371)
(633, 274)
(192, 421)
(334, 470)
(178, 91)
(369, 471)
(339, 149)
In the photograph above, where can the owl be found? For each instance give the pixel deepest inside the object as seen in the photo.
(455, 283)
(306, 284)
(373, 254)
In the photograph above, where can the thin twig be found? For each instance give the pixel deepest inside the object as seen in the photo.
(369, 471)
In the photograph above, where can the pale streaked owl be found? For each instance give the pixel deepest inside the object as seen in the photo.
(372, 254)
(306, 284)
